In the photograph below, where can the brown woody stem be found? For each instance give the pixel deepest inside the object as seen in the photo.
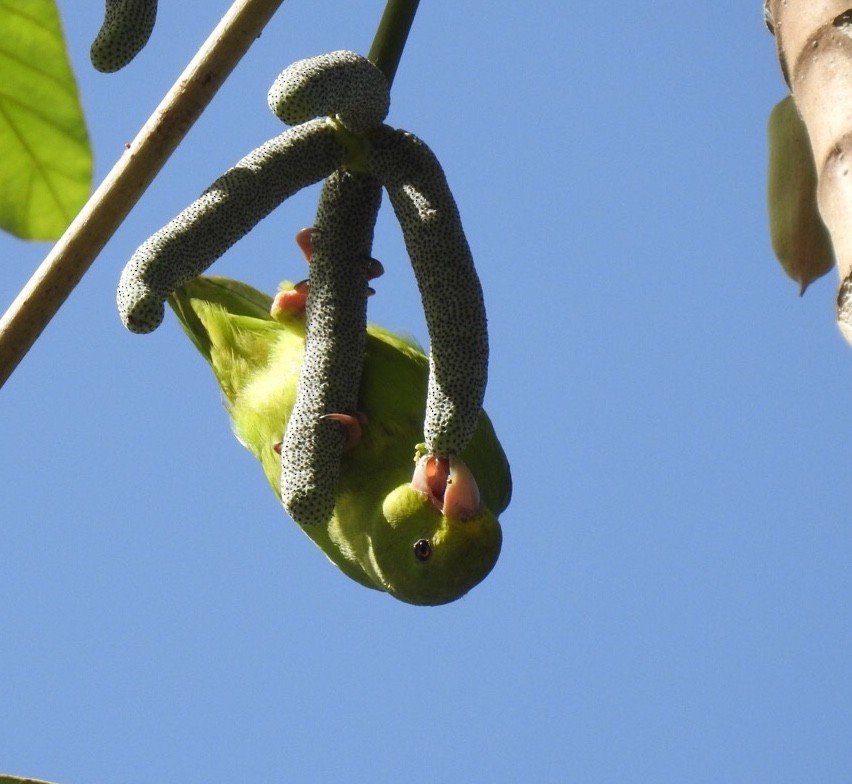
(73, 254)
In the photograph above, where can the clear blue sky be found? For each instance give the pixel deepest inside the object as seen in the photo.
(673, 599)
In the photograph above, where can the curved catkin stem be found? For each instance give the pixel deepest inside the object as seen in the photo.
(126, 29)
(448, 283)
(815, 47)
(334, 345)
(187, 245)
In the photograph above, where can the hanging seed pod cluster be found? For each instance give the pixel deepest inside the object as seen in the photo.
(337, 104)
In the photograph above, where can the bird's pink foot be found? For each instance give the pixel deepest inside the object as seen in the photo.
(291, 302)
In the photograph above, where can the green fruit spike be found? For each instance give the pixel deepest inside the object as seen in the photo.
(384, 533)
(227, 210)
(448, 283)
(126, 29)
(342, 84)
(800, 239)
(334, 348)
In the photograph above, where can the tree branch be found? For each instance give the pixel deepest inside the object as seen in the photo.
(815, 49)
(78, 247)
(391, 36)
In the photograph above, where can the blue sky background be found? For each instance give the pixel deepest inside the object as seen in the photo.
(673, 599)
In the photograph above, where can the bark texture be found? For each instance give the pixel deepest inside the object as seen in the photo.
(815, 48)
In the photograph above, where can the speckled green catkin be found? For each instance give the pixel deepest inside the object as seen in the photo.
(448, 283)
(338, 83)
(126, 29)
(334, 346)
(228, 209)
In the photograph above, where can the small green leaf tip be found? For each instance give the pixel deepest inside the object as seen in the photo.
(187, 245)
(448, 283)
(342, 84)
(126, 29)
(334, 346)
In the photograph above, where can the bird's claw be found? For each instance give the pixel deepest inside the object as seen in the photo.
(294, 301)
(305, 241)
(353, 426)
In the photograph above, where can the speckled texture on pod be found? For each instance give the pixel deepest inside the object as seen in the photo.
(187, 245)
(340, 83)
(349, 88)
(448, 283)
(126, 29)
(334, 345)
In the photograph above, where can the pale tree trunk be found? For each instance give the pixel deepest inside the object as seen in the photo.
(815, 48)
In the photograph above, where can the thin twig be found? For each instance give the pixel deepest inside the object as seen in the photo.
(78, 247)
(391, 36)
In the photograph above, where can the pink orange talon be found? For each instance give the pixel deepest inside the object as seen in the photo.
(374, 269)
(276, 447)
(353, 427)
(305, 241)
(450, 486)
(291, 302)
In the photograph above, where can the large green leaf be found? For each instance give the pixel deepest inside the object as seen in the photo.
(45, 158)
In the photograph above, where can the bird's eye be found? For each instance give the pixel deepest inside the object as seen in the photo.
(423, 549)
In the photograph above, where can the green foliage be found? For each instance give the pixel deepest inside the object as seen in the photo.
(45, 157)
(799, 236)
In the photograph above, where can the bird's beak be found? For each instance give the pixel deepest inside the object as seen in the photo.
(449, 485)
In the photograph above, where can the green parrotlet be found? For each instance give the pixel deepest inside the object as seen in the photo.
(422, 528)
